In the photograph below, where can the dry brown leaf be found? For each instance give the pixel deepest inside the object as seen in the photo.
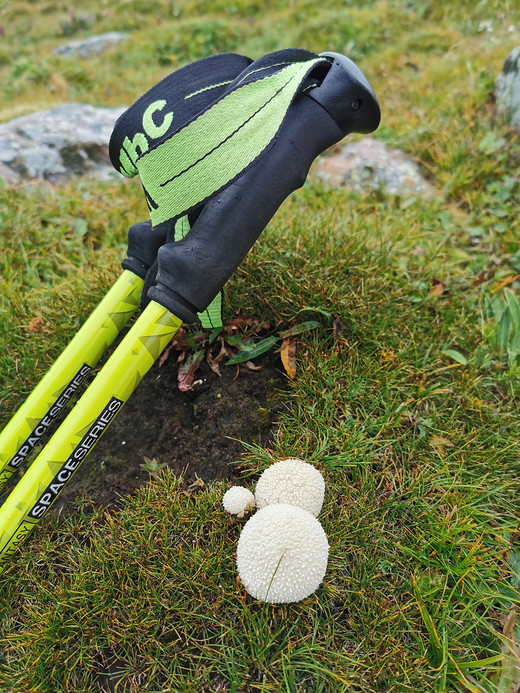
(36, 324)
(261, 327)
(213, 363)
(484, 275)
(225, 351)
(166, 353)
(439, 289)
(439, 443)
(288, 353)
(236, 324)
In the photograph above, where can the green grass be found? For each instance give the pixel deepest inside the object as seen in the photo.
(408, 403)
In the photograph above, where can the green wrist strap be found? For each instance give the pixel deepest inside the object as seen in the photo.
(212, 316)
(185, 169)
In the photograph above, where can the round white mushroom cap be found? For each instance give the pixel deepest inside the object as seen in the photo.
(237, 500)
(291, 481)
(282, 554)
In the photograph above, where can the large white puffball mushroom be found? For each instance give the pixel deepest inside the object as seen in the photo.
(237, 500)
(291, 481)
(282, 554)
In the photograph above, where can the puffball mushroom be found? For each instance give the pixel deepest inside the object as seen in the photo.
(282, 554)
(238, 500)
(291, 481)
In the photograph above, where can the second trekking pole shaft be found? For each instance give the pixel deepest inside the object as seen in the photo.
(39, 411)
(59, 459)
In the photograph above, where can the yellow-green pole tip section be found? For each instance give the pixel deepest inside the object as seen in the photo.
(64, 378)
(60, 458)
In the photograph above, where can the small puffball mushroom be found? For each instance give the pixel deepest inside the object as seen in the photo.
(238, 500)
(291, 481)
(282, 554)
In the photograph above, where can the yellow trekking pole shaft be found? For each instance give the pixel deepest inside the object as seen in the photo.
(59, 384)
(55, 465)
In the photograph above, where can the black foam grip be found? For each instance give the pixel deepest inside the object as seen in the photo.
(193, 270)
(143, 243)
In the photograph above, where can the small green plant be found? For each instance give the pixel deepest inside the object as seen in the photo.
(152, 466)
(501, 325)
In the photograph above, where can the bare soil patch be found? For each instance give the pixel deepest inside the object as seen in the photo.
(197, 433)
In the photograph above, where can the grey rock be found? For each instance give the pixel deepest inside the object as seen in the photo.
(507, 89)
(94, 45)
(370, 164)
(55, 145)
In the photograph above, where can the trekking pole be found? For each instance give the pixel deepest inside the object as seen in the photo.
(38, 413)
(65, 376)
(273, 121)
